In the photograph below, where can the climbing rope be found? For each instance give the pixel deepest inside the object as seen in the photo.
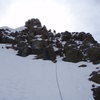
(58, 85)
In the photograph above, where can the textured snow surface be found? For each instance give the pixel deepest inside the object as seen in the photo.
(28, 79)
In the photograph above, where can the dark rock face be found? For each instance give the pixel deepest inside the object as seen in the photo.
(49, 53)
(37, 47)
(24, 52)
(66, 36)
(72, 55)
(36, 39)
(33, 23)
(82, 36)
(94, 55)
(4, 37)
(95, 77)
(96, 93)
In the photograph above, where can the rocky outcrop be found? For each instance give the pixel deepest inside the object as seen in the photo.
(96, 93)
(94, 55)
(36, 39)
(72, 54)
(33, 23)
(95, 77)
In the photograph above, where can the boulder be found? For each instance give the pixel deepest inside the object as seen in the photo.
(72, 55)
(49, 54)
(94, 55)
(37, 47)
(66, 36)
(25, 51)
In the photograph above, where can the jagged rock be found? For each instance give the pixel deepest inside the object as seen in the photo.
(96, 93)
(89, 38)
(45, 36)
(58, 35)
(82, 36)
(7, 40)
(72, 55)
(59, 51)
(49, 54)
(37, 47)
(79, 36)
(66, 36)
(94, 55)
(33, 23)
(95, 76)
(25, 51)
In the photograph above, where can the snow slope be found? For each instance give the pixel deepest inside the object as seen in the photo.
(28, 79)
(9, 30)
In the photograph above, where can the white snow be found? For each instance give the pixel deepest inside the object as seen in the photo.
(39, 39)
(9, 30)
(23, 78)
(6, 27)
(38, 36)
(79, 42)
(19, 29)
(55, 48)
(35, 26)
(63, 43)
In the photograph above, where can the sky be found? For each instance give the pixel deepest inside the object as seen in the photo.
(61, 15)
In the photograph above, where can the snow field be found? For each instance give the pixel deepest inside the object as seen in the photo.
(23, 78)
